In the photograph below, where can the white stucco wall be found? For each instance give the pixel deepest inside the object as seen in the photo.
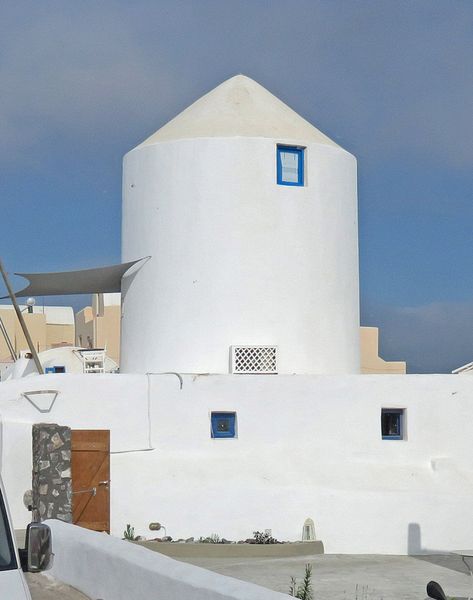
(237, 259)
(307, 446)
(83, 402)
(104, 567)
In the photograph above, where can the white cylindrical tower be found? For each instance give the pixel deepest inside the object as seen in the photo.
(249, 214)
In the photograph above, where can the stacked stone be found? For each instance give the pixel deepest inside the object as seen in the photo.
(52, 487)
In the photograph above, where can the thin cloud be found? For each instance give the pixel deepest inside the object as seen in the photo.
(433, 338)
(74, 77)
(389, 79)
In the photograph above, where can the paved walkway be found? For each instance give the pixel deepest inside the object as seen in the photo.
(352, 577)
(43, 587)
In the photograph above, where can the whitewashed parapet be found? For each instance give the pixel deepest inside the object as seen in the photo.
(105, 567)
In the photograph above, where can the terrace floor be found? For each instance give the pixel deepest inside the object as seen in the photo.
(351, 577)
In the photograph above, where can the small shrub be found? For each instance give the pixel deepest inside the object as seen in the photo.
(264, 538)
(293, 587)
(304, 590)
(213, 538)
(129, 533)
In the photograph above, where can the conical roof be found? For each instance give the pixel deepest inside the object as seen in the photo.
(239, 107)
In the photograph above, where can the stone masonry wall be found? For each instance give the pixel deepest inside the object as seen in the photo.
(52, 487)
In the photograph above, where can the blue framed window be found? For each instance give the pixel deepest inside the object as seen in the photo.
(223, 424)
(290, 165)
(392, 423)
(58, 369)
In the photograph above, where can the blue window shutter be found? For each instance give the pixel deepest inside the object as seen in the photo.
(290, 165)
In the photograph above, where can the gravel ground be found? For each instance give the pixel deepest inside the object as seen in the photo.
(44, 587)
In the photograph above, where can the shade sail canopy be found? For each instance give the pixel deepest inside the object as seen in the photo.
(88, 281)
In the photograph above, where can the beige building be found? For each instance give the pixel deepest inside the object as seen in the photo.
(49, 327)
(371, 362)
(98, 326)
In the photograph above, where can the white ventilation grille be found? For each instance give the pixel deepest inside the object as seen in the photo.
(254, 359)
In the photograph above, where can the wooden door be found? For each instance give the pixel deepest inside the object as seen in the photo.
(90, 472)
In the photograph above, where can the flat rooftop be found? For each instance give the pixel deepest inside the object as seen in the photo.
(351, 577)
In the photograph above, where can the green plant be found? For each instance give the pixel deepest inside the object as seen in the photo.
(264, 538)
(304, 590)
(129, 533)
(213, 538)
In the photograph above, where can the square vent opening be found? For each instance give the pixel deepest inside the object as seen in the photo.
(254, 359)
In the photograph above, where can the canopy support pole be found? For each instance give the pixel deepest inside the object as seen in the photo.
(29, 341)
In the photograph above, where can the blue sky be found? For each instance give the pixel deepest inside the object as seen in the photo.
(391, 81)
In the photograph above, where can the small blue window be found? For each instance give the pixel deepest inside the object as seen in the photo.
(290, 165)
(58, 369)
(392, 423)
(223, 424)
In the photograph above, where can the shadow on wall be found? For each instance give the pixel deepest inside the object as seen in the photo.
(414, 541)
(442, 558)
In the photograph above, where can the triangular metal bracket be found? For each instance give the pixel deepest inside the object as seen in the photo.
(42, 400)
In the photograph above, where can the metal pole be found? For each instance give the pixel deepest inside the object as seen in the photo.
(29, 341)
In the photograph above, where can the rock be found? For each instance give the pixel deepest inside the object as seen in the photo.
(56, 441)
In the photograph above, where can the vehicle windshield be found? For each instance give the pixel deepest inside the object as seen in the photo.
(7, 553)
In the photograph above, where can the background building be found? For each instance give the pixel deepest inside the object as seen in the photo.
(371, 362)
(49, 327)
(98, 326)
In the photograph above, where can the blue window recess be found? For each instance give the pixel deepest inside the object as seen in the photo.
(223, 424)
(58, 369)
(290, 165)
(392, 423)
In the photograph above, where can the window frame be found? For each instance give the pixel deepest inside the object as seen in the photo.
(300, 152)
(219, 435)
(400, 412)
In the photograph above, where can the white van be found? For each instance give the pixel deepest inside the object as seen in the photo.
(35, 557)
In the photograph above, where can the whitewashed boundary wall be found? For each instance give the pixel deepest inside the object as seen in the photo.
(306, 446)
(104, 567)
